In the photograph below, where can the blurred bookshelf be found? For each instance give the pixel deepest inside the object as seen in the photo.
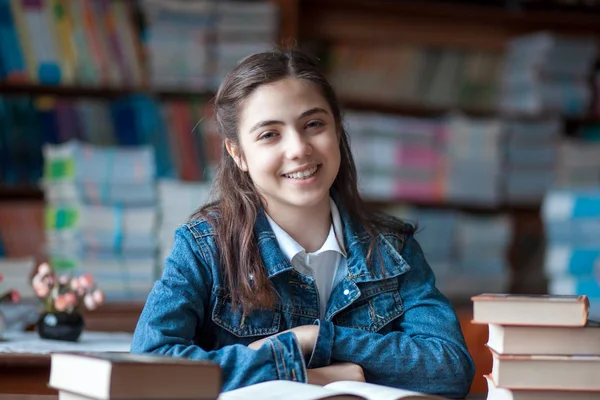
(406, 108)
(442, 125)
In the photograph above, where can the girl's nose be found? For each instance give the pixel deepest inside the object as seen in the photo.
(297, 146)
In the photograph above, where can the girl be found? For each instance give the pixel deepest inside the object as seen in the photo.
(286, 275)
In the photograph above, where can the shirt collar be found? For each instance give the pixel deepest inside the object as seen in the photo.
(334, 241)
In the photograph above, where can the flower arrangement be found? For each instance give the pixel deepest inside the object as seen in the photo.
(12, 296)
(65, 293)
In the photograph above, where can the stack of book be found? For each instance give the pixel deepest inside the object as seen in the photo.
(178, 43)
(571, 220)
(578, 164)
(467, 252)
(545, 72)
(397, 156)
(543, 346)
(101, 215)
(473, 158)
(178, 200)
(242, 28)
(531, 154)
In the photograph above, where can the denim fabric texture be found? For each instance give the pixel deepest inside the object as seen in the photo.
(392, 321)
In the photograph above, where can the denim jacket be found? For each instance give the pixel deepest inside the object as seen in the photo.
(391, 321)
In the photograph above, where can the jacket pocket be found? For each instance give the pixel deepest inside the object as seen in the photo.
(379, 303)
(259, 323)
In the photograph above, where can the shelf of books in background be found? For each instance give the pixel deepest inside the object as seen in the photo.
(62, 42)
(554, 77)
(412, 158)
(543, 347)
(104, 213)
(507, 158)
(183, 45)
(544, 74)
(192, 45)
(101, 215)
(94, 221)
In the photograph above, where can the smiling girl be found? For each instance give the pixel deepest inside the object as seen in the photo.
(286, 275)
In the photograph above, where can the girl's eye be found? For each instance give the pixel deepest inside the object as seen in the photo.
(315, 124)
(267, 135)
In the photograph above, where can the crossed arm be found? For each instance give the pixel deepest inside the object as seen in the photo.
(306, 335)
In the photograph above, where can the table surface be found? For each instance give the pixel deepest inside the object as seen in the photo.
(30, 344)
(25, 350)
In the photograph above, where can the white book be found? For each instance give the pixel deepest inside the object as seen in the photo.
(496, 393)
(341, 390)
(543, 372)
(541, 310)
(124, 376)
(556, 340)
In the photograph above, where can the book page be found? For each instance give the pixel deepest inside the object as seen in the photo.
(288, 390)
(378, 392)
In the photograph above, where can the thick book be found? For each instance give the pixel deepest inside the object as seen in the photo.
(542, 372)
(66, 395)
(134, 376)
(497, 393)
(521, 309)
(545, 340)
(342, 390)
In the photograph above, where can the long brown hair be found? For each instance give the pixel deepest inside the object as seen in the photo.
(234, 214)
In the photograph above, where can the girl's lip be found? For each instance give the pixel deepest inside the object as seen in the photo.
(303, 168)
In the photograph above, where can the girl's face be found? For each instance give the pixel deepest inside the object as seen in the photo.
(289, 144)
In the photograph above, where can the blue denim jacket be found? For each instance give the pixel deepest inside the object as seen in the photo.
(394, 323)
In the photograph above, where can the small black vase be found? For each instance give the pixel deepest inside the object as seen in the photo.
(60, 326)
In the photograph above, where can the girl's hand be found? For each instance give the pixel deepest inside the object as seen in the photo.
(305, 334)
(336, 372)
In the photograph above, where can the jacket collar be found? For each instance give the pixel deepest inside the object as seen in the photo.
(356, 243)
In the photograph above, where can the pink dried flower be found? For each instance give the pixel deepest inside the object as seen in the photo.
(44, 269)
(65, 293)
(89, 302)
(60, 303)
(41, 289)
(86, 281)
(71, 299)
(98, 296)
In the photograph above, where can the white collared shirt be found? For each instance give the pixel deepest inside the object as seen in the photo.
(322, 264)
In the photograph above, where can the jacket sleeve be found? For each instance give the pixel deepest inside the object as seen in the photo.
(175, 313)
(424, 352)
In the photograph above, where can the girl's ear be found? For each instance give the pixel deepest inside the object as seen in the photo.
(234, 152)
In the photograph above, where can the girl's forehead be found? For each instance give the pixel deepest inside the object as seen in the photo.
(286, 96)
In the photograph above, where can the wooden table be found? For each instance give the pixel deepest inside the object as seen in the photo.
(24, 374)
(25, 358)
(25, 377)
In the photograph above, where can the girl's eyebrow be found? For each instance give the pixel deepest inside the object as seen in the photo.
(312, 111)
(316, 110)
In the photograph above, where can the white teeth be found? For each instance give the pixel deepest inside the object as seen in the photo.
(302, 174)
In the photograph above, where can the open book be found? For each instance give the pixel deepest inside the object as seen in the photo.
(342, 390)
